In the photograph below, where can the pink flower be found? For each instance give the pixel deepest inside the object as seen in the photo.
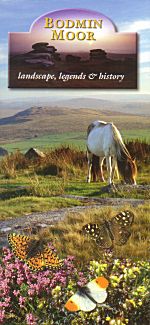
(2, 315)
(31, 319)
(22, 301)
(16, 293)
(6, 302)
(31, 292)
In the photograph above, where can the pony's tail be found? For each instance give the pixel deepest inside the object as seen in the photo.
(121, 150)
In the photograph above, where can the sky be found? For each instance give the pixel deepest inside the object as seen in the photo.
(128, 16)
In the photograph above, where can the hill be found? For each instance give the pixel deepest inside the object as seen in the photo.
(132, 104)
(37, 121)
(139, 108)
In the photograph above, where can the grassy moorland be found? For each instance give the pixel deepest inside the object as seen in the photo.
(39, 297)
(73, 139)
(67, 238)
(28, 186)
(59, 180)
(56, 125)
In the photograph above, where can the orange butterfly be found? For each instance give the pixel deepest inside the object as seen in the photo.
(33, 252)
(86, 298)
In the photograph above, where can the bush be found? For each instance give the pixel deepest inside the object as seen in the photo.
(39, 297)
(139, 150)
(11, 163)
(62, 162)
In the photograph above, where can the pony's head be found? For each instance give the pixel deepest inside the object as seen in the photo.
(128, 170)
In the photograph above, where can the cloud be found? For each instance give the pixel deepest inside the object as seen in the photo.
(7, 0)
(145, 69)
(135, 26)
(4, 74)
(3, 53)
(145, 57)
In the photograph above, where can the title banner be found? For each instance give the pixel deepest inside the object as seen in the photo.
(73, 48)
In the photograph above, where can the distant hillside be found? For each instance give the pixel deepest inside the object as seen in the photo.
(136, 104)
(37, 121)
(140, 108)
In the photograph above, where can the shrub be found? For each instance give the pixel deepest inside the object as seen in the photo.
(62, 161)
(11, 163)
(139, 150)
(39, 297)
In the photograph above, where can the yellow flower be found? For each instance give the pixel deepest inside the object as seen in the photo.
(136, 269)
(132, 302)
(56, 290)
(114, 280)
(40, 305)
(112, 322)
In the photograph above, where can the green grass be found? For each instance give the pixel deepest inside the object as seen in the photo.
(30, 193)
(49, 141)
(77, 139)
(78, 186)
(23, 205)
(96, 190)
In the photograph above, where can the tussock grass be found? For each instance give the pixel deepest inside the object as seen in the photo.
(11, 163)
(67, 238)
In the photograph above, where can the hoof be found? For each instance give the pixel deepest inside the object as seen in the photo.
(113, 187)
(102, 180)
(109, 189)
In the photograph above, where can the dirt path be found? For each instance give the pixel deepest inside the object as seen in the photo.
(39, 220)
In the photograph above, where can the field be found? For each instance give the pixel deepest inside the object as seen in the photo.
(28, 186)
(48, 198)
(75, 139)
(67, 124)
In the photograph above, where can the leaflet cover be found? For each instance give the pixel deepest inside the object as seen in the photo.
(74, 162)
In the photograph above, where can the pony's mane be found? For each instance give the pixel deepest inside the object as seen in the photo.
(122, 151)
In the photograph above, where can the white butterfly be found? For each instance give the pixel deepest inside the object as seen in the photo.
(86, 298)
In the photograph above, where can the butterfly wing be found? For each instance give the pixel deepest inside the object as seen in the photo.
(86, 298)
(34, 247)
(36, 263)
(44, 259)
(33, 252)
(99, 233)
(80, 301)
(97, 289)
(19, 245)
(51, 259)
(120, 227)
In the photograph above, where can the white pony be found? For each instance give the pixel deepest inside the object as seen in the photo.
(104, 140)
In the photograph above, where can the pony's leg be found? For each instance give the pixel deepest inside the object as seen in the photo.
(101, 169)
(114, 168)
(109, 169)
(117, 172)
(89, 157)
